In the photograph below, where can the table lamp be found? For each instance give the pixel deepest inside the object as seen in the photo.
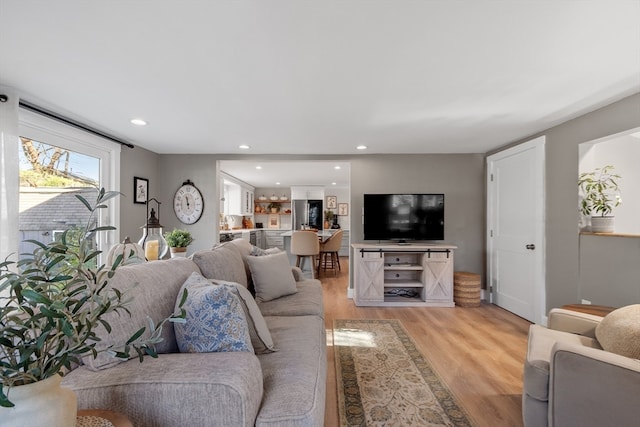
(152, 241)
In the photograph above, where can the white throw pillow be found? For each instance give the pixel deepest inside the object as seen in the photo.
(272, 276)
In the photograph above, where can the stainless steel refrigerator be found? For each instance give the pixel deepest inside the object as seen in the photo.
(307, 214)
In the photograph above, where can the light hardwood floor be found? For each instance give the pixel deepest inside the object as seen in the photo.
(478, 352)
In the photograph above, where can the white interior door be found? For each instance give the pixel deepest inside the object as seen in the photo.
(515, 235)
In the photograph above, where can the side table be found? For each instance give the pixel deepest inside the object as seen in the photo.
(102, 418)
(598, 310)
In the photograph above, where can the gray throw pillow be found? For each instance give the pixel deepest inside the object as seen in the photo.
(272, 276)
(223, 262)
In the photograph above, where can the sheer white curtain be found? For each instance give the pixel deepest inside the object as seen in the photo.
(9, 175)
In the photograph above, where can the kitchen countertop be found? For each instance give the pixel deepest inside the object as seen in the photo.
(321, 233)
(285, 231)
(241, 230)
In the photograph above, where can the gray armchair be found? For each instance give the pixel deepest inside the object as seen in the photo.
(570, 381)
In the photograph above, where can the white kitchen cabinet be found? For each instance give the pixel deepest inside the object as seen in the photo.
(238, 197)
(247, 200)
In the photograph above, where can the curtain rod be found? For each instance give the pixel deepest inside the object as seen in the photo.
(28, 106)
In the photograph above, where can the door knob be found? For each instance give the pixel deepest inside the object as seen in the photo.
(530, 246)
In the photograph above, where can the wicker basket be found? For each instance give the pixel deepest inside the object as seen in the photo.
(466, 289)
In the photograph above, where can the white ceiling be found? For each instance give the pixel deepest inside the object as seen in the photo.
(284, 174)
(301, 77)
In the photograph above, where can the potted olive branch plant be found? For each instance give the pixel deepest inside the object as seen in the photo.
(51, 303)
(601, 194)
(178, 240)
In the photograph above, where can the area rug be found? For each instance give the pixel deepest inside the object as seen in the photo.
(383, 380)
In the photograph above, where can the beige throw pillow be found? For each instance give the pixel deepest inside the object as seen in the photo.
(619, 331)
(272, 276)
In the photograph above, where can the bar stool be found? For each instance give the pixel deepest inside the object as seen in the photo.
(329, 248)
(305, 244)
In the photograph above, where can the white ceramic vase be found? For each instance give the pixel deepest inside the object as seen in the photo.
(178, 252)
(44, 403)
(602, 224)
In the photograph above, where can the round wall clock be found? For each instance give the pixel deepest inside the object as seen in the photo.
(188, 203)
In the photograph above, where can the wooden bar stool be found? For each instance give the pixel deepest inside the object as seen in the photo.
(329, 249)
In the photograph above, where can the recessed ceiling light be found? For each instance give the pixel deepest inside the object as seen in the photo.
(333, 183)
(243, 147)
(138, 122)
(258, 167)
(277, 183)
(337, 167)
(361, 147)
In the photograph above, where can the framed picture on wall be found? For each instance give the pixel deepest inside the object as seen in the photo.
(332, 202)
(140, 190)
(343, 209)
(274, 221)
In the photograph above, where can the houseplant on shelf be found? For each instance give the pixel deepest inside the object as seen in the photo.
(273, 207)
(178, 240)
(600, 194)
(51, 302)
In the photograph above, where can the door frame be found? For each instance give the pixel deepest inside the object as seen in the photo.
(539, 298)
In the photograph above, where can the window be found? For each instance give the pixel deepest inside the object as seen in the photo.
(57, 162)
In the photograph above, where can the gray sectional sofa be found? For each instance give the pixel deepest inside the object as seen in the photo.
(282, 388)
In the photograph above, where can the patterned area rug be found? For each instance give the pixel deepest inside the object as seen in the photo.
(383, 380)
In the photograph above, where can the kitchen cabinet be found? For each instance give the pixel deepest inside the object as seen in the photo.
(344, 246)
(238, 197)
(247, 200)
(274, 239)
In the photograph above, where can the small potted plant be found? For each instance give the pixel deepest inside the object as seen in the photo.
(600, 194)
(328, 218)
(51, 302)
(178, 240)
(273, 207)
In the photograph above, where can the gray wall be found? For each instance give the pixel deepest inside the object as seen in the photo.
(563, 257)
(144, 164)
(459, 176)
(610, 269)
(201, 170)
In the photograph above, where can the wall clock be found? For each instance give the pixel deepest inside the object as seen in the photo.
(188, 203)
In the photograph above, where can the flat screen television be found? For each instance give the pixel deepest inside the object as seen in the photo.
(404, 217)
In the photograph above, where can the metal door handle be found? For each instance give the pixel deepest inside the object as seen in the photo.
(530, 246)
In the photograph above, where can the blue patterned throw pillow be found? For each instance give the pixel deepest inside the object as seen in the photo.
(215, 320)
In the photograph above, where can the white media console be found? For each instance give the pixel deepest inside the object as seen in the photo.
(403, 275)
